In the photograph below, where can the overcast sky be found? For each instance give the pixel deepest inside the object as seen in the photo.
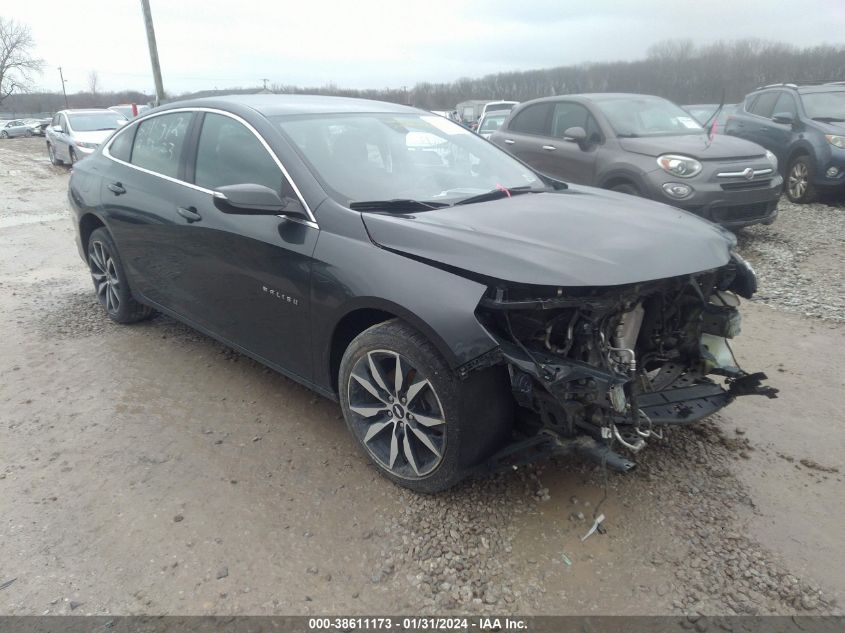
(372, 44)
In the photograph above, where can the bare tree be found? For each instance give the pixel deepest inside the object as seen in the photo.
(16, 61)
(93, 82)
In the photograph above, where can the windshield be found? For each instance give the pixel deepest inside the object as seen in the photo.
(647, 116)
(95, 121)
(825, 105)
(492, 123)
(369, 157)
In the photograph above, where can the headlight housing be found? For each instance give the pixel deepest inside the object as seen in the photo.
(836, 140)
(86, 145)
(772, 159)
(680, 166)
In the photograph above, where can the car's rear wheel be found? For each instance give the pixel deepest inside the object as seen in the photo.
(799, 181)
(51, 152)
(110, 282)
(4, 134)
(420, 425)
(625, 187)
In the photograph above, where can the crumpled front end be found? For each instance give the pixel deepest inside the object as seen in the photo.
(606, 367)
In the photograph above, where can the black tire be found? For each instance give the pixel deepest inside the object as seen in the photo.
(4, 134)
(51, 152)
(477, 412)
(625, 187)
(28, 133)
(73, 158)
(110, 281)
(799, 181)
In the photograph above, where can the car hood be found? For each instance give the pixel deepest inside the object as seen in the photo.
(97, 136)
(578, 237)
(697, 146)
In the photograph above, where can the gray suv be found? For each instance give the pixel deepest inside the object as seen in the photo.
(645, 146)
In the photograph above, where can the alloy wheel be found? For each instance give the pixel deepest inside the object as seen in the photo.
(104, 274)
(798, 180)
(396, 413)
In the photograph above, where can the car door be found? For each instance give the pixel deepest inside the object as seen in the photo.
(756, 126)
(143, 187)
(778, 137)
(527, 131)
(248, 276)
(61, 138)
(566, 159)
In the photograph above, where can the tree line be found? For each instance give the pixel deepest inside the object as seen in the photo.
(676, 69)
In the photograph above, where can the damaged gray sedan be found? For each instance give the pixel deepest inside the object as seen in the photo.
(468, 313)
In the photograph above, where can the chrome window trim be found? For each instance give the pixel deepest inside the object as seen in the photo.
(312, 221)
(739, 174)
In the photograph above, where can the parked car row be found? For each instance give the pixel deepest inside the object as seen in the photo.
(22, 127)
(728, 163)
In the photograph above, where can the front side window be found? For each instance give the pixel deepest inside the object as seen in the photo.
(230, 154)
(390, 156)
(567, 115)
(533, 119)
(159, 142)
(764, 104)
(95, 121)
(634, 117)
(785, 105)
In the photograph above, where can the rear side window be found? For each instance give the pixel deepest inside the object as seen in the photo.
(533, 119)
(764, 104)
(121, 147)
(230, 154)
(159, 142)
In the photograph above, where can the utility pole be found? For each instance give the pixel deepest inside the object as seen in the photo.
(151, 41)
(265, 83)
(64, 92)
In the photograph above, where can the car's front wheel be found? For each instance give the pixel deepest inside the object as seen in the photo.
(110, 281)
(799, 183)
(421, 425)
(51, 152)
(72, 154)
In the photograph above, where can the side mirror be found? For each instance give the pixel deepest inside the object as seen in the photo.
(575, 135)
(56, 128)
(784, 118)
(252, 199)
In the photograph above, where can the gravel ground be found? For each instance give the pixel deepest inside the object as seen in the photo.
(800, 259)
(148, 469)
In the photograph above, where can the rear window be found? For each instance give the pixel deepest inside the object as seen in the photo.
(533, 119)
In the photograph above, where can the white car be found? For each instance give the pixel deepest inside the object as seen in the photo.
(74, 134)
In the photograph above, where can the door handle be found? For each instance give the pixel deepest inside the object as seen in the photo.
(549, 148)
(510, 141)
(190, 214)
(116, 188)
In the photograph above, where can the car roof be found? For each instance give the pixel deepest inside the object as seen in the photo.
(84, 111)
(834, 86)
(274, 105)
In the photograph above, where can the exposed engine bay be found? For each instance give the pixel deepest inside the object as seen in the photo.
(616, 364)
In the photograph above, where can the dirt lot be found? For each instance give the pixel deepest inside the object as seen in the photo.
(147, 469)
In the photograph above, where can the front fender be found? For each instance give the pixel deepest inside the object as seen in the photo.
(351, 274)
